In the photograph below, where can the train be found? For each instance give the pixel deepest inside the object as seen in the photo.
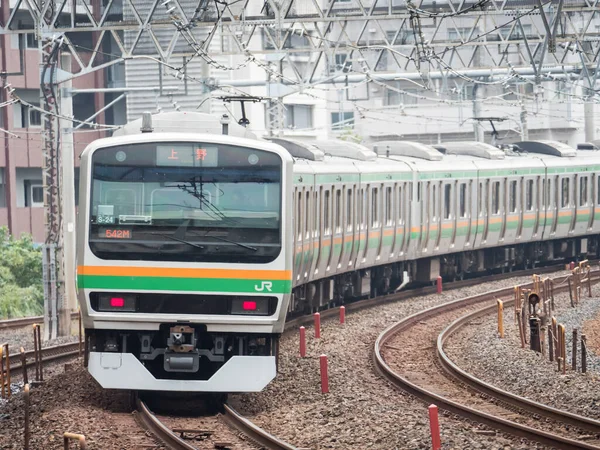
(196, 239)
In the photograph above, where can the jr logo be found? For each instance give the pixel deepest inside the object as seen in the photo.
(263, 285)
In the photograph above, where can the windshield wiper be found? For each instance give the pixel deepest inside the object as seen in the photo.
(249, 247)
(168, 236)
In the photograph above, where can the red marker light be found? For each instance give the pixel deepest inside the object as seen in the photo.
(117, 302)
(249, 306)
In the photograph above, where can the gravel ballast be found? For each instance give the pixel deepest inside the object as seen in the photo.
(503, 363)
(362, 410)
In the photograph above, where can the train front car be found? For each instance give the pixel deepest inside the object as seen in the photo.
(184, 272)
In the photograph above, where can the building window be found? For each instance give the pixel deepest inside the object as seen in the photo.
(342, 120)
(404, 37)
(398, 96)
(31, 41)
(462, 34)
(298, 116)
(30, 117)
(516, 32)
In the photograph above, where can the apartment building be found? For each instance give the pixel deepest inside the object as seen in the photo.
(21, 179)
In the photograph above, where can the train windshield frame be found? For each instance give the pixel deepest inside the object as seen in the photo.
(185, 201)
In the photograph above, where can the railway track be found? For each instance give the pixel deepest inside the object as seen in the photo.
(424, 372)
(54, 353)
(22, 322)
(169, 434)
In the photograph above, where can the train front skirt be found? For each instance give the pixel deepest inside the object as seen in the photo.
(238, 374)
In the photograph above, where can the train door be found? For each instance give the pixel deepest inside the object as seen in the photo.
(425, 195)
(306, 234)
(436, 219)
(374, 236)
(402, 232)
(461, 224)
(447, 213)
(320, 264)
(592, 202)
(583, 213)
(350, 223)
(564, 201)
(395, 242)
(367, 227)
(554, 202)
(469, 216)
(387, 230)
(334, 254)
(520, 207)
(315, 234)
(328, 228)
(532, 198)
(298, 249)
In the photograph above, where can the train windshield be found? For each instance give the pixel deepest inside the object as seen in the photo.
(195, 202)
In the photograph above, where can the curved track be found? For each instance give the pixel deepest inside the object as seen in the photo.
(581, 422)
(431, 393)
(236, 421)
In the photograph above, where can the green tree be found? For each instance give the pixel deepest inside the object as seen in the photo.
(21, 289)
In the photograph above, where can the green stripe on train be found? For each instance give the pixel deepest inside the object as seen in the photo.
(183, 284)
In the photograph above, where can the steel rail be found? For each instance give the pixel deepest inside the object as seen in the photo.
(254, 432)
(404, 384)
(11, 324)
(489, 389)
(49, 354)
(232, 417)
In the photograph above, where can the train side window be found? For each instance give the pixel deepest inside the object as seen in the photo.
(583, 191)
(463, 200)
(299, 215)
(326, 208)
(362, 205)
(388, 207)
(496, 197)
(338, 211)
(316, 215)
(399, 203)
(565, 193)
(434, 202)
(512, 205)
(349, 207)
(307, 229)
(598, 192)
(447, 199)
(374, 208)
(529, 195)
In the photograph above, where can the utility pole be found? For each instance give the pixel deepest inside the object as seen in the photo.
(52, 263)
(477, 128)
(68, 199)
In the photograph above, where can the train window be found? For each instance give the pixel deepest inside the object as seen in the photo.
(496, 197)
(565, 193)
(512, 196)
(399, 203)
(463, 200)
(434, 201)
(326, 218)
(479, 197)
(388, 206)
(306, 215)
(583, 191)
(374, 207)
(338, 210)
(447, 199)
(598, 192)
(349, 218)
(299, 215)
(316, 215)
(361, 208)
(529, 195)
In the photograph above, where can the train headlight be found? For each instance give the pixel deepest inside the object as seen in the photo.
(254, 306)
(117, 302)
